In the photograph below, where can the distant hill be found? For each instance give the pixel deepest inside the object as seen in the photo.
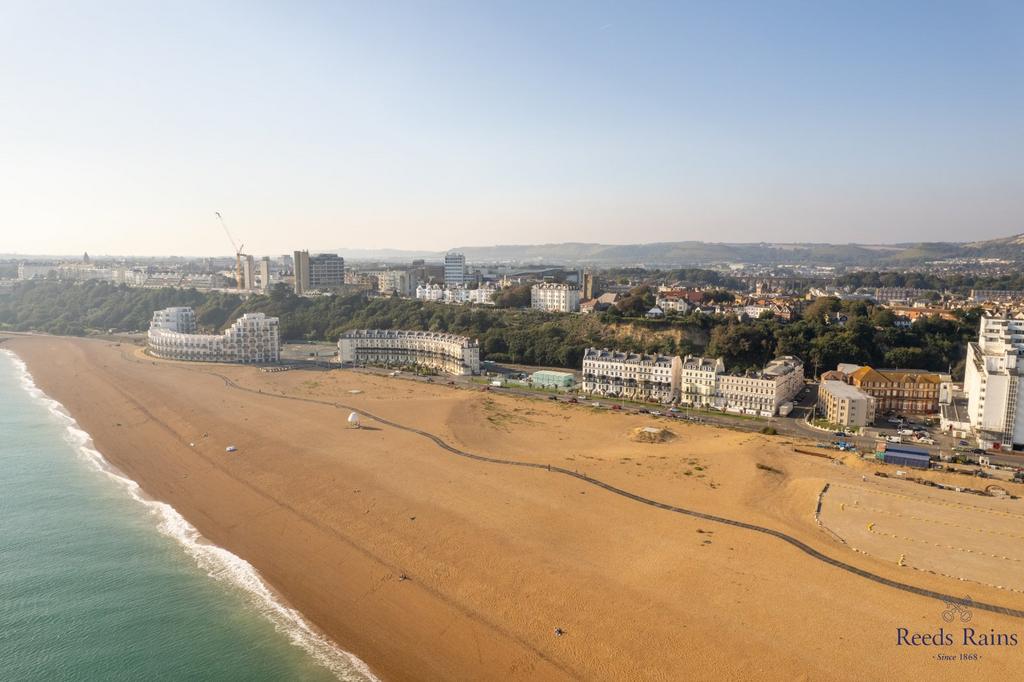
(678, 254)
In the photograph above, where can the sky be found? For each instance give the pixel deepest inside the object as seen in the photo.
(428, 125)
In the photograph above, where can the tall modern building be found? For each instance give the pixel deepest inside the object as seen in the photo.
(248, 282)
(995, 392)
(454, 269)
(319, 272)
(264, 273)
(301, 272)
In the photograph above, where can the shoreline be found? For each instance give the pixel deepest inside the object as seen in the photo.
(216, 562)
(497, 557)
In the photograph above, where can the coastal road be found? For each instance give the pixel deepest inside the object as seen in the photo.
(794, 542)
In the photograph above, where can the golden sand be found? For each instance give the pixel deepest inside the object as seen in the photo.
(498, 556)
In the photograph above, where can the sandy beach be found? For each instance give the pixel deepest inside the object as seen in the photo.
(498, 556)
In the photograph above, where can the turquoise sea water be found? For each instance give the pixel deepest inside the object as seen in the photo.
(98, 583)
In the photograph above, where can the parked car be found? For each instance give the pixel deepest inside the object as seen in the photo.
(905, 432)
(644, 410)
(655, 413)
(616, 407)
(673, 409)
(894, 420)
(552, 397)
(572, 400)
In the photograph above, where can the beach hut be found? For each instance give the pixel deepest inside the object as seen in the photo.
(353, 420)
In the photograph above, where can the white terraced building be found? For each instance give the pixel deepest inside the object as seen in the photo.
(992, 382)
(761, 392)
(400, 348)
(252, 338)
(695, 381)
(698, 380)
(555, 297)
(634, 376)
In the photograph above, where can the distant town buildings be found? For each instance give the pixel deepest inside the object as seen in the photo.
(556, 297)
(995, 392)
(454, 269)
(996, 296)
(845, 405)
(403, 348)
(324, 271)
(252, 338)
(482, 295)
(890, 295)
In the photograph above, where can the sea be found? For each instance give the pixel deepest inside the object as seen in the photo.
(98, 582)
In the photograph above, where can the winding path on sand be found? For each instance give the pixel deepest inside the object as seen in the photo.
(802, 546)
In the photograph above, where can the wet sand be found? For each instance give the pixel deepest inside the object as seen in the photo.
(499, 556)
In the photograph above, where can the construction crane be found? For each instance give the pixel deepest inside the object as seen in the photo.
(239, 275)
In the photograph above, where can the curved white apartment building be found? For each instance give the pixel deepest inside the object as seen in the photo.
(399, 347)
(253, 338)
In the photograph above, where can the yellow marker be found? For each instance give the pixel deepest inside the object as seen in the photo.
(842, 506)
(902, 557)
(871, 526)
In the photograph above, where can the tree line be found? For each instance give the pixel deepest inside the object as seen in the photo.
(828, 332)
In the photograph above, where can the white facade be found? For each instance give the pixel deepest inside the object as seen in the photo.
(995, 393)
(695, 381)
(430, 292)
(699, 380)
(555, 297)
(179, 319)
(676, 304)
(457, 295)
(399, 348)
(253, 338)
(634, 376)
(761, 392)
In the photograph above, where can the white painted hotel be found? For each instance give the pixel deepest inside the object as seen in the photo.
(633, 376)
(694, 381)
(556, 297)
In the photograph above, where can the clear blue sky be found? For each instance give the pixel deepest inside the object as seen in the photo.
(124, 126)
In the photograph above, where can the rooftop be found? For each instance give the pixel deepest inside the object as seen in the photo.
(840, 389)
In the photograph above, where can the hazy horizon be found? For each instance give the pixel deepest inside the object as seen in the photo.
(313, 249)
(369, 127)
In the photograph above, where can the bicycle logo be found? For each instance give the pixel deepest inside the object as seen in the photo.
(955, 608)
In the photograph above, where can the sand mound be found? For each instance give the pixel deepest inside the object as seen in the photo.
(651, 434)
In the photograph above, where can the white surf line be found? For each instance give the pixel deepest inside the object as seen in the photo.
(216, 562)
